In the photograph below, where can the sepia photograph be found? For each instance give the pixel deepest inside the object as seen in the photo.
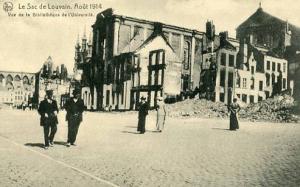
(149, 93)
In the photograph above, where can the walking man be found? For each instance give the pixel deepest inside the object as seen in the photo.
(74, 108)
(143, 112)
(48, 110)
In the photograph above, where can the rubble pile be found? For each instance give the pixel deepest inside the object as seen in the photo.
(277, 109)
(198, 108)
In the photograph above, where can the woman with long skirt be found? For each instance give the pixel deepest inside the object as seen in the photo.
(234, 109)
(161, 114)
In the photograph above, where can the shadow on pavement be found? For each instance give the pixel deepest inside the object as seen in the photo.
(220, 129)
(59, 143)
(154, 131)
(35, 145)
(130, 132)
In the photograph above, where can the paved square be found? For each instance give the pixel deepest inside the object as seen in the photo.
(189, 152)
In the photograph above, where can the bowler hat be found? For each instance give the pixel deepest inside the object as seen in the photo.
(76, 91)
(143, 98)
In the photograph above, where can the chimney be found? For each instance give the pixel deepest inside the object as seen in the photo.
(243, 51)
(223, 37)
(158, 27)
(210, 30)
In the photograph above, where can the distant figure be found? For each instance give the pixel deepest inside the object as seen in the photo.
(48, 111)
(143, 112)
(74, 108)
(234, 108)
(161, 114)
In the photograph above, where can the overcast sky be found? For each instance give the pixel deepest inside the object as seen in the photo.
(25, 43)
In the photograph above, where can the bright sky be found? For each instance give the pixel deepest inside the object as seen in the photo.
(26, 42)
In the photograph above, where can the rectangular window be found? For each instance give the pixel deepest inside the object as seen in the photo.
(230, 79)
(252, 83)
(244, 98)
(252, 69)
(268, 79)
(222, 97)
(284, 67)
(222, 81)
(244, 83)
(268, 65)
(238, 82)
(107, 97)
(278, 67)
(260, 98)
(223, 59)
(261, 85)
(251, 99)
(273, 66)
(231, 60)
(284, 83)
(267, 94)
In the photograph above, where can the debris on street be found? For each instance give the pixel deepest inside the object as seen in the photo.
(276, 109)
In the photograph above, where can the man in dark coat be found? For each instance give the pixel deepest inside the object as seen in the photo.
(143, 112)
(48, 110)
(74, 108)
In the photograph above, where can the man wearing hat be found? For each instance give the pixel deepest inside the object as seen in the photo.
(48, 110)
(74, 108)
(143, 112)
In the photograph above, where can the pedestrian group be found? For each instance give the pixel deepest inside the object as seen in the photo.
(48, 111)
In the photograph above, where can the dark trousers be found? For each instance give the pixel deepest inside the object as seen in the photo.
(142, 124)
(73, 126)
(49, 138)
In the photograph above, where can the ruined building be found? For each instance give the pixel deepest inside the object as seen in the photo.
(129, 58)
(51, 77)
(243, 70)
(133, 57)
(277, 36)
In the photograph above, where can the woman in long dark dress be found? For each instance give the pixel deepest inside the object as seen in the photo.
(234, 108)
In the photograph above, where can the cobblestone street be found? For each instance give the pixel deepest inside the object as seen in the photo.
(189, 152)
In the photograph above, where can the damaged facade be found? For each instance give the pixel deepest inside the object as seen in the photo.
(133, 58)
(243, 70)
(279, 37)
(129, 58)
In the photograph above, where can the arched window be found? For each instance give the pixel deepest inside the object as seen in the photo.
(17, 78)
(1, 78)
(9, 79)
(186, 55)
(273, 78)
(25, 80)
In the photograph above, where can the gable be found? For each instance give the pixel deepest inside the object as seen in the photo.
(260, 18)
